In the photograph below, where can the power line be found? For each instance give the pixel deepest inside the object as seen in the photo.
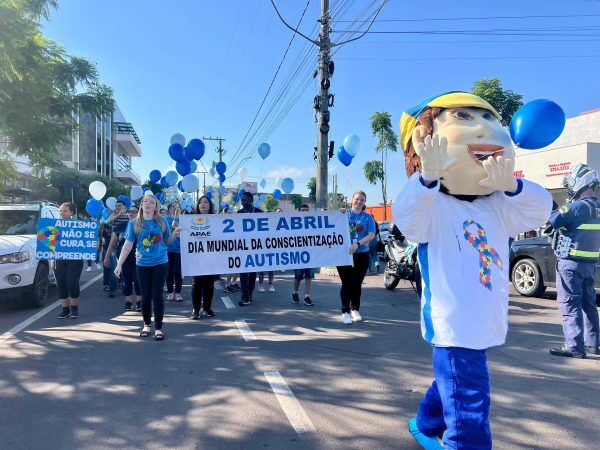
(470, 58)
(450, 19)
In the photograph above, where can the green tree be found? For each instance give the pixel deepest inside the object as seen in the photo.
(312, 189)
(42, 88)
(336, 201)
(296, 200)
(272, 203)
(373, 171)
(387, 141)
(505, 101)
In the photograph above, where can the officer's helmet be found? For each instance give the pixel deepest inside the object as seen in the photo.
(580, 179)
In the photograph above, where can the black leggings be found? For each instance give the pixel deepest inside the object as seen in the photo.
(130, 279)
(67, 275)
(203, 289)
(174, 274)
(152, 282)
(352, 278)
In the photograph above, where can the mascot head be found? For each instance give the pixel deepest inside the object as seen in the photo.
(474, 133)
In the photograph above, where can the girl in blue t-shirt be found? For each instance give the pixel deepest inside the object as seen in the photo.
(362, 231)
(152, 235)
(174, 276)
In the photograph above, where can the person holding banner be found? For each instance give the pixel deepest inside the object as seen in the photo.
(151, 234)
(362, 231)
(203, 286)
(174, 276)
(68, 273)
(248, 280)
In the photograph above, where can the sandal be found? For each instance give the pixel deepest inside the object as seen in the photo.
(158, 335)
(145, 332)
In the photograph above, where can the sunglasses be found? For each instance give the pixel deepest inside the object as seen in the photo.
(132, 211)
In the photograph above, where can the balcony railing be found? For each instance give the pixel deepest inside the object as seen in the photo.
(122, 165)
(126, 128)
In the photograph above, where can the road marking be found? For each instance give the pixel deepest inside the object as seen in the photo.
(13, 331)
(289, 403)
(247, 333)
(228, 303)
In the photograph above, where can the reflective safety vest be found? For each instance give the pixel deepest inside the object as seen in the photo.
(580, 221)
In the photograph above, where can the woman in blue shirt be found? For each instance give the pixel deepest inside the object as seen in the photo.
(362, 231)
(174, 276)
(152, 235)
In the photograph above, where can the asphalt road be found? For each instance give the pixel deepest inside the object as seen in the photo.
(272, 375)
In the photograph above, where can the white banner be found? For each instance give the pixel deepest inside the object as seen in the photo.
(214, 244)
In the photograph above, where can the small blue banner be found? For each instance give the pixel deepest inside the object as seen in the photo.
(59, 239)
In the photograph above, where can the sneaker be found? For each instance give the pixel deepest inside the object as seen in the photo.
(271, 288)
(431, 443)
(377, 268)
(567, 352)
(245, 302)
(261, 288)
(346, 319)
(169, 297)
(195, 315)
(592, 350)
(74, 312)
(66, 312)
(295, 298)
(308, 301)
(208, 313)
(138, 306)
(178, 298)
(106, 287)
(89, 269)
(128, 306)
(98, 266)
(158, 335)
(355, 315)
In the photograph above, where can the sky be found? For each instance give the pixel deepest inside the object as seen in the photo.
(202, 68)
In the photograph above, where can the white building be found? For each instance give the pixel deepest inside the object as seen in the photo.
(579, 143)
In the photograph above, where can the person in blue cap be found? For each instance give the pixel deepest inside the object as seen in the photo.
(461, 204)
(577, 245)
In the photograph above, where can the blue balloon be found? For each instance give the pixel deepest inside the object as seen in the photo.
(264, 150)
(537, 124)
(146, 189)
(105, 213)
(176, 152)
(183, 167)
(344, 157)
(180, 186)
(236, 198)
(287, 184)
(277, 194)
(164, 183)
(160, 197)
(221, 167)
(196, 149)
(208, 194)
(222, 178)
(193, 166)
(94, 207)
(263, 197)
(155, 176)
(223, 190)
(171, 177)
(126, 200)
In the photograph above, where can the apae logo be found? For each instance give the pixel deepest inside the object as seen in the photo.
(200, 226)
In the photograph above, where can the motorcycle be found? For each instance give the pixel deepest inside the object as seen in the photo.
(401, 261)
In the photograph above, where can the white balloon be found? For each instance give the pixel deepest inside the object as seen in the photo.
(243, 173)
(352, 144)
(111, 202)
(97, 189)
(190, 183)
(136, 193)
(278, 181)
(178, 138)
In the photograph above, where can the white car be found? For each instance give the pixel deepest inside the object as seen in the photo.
(20, 272)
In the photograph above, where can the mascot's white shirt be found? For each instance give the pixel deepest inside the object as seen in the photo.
(464, 257)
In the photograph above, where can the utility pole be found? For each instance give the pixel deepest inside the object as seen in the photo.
(220, 151)
(322, 106)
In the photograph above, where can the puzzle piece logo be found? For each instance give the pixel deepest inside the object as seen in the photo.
(49, 236)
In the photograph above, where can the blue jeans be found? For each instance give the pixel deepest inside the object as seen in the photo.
(576, 300)
(108, 275)
(458, 402)
(374, 257)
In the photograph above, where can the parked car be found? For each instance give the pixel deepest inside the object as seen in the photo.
(533, 265)
(20, 271)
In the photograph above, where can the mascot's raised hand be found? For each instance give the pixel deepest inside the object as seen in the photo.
(433, 152)
(500, 174)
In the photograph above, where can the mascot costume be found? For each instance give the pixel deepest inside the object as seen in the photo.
(461, 204)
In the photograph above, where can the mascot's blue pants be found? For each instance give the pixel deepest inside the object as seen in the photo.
(577, 303)
(457, 404)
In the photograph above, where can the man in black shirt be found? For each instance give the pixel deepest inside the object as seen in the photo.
(248, 280)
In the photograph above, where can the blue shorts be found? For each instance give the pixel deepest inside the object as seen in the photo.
(304, 273)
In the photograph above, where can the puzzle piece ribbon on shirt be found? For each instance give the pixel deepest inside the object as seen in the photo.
(487, 254)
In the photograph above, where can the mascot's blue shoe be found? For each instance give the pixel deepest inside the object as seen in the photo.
(428, 443)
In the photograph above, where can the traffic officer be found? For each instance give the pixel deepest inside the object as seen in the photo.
(577, 244)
